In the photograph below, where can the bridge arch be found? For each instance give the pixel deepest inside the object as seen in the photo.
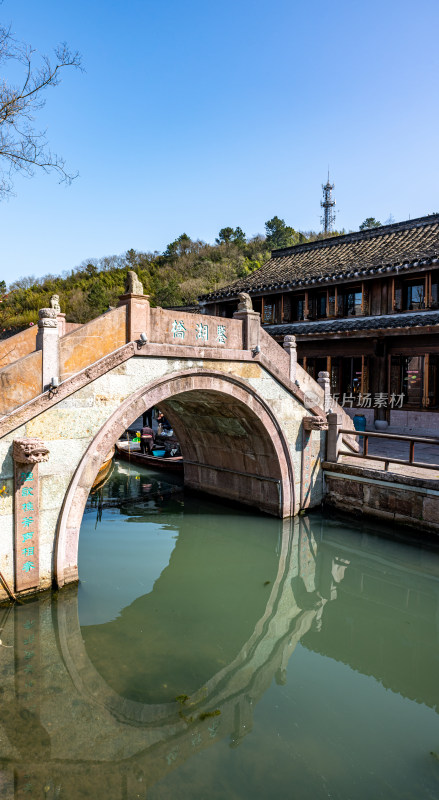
(231, 439)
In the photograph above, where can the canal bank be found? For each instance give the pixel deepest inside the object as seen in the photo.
(394, 498)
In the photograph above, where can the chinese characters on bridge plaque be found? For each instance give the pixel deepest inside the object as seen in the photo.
(27, 454)
(217, 336)
(26, 526)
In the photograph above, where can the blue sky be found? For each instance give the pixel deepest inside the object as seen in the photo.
(193, 115)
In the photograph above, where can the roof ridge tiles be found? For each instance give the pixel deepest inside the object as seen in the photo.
(357, 236)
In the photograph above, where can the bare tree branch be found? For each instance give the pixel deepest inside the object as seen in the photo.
(22, 147)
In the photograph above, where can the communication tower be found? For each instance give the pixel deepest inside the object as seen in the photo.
(327, 204)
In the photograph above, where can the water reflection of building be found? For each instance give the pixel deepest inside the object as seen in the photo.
(65, 732)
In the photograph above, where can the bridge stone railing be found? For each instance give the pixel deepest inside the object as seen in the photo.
(92, 341)
(62, 354)
(18, 346)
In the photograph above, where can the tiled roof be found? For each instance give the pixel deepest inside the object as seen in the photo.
(402, 245)
(421, 319)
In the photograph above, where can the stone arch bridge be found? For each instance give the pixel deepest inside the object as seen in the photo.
(250, 421)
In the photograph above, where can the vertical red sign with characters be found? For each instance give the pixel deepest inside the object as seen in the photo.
(26, 527)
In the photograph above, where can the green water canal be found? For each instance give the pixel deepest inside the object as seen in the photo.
(303, 653)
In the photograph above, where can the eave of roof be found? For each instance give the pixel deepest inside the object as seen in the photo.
(378, 322)
(414, 244)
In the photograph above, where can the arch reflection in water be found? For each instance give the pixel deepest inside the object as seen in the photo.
(67, 733)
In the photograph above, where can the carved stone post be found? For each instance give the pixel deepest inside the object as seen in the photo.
(138, 308)
(61, 318)
(54, 303)
(27, 454)
(251, 322)
(48, 342)
(289, 344)
(325, 383)
(333, 440)
(309, 424)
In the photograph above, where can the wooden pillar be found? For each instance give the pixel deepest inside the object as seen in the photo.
(379, 373)
(427, 297)
(306, 306)
(425, 398)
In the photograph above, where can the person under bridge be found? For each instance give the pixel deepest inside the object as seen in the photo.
(146, 440)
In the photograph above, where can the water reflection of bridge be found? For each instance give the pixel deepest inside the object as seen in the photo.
(63, 726)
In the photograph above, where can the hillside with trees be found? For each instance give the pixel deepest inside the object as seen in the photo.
(187, 268)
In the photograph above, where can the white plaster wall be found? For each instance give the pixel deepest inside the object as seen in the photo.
(68, 428)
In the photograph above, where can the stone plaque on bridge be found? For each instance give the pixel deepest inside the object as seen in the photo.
(27, 454)
(195, 330)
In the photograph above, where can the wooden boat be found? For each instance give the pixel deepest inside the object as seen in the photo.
(104, 470)
(131, 452)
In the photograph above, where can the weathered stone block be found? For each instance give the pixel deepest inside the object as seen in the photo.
(345, 488)
(63, 453)
(389, 516)
(52, 490)
(430, 509)
(59, 423)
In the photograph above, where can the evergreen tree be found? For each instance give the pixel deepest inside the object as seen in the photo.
(370, 222)
(279, 234)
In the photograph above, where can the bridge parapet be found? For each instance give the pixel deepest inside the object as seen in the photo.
(195, 330)
(22, 380)
(18, 346)
(92, 341)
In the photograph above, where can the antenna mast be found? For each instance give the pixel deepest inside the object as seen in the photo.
(328, 218)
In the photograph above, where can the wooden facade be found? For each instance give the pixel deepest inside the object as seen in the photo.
(371, 319)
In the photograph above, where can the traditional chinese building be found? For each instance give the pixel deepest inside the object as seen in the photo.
(363, 306)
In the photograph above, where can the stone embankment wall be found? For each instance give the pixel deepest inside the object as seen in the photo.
(393, 498)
